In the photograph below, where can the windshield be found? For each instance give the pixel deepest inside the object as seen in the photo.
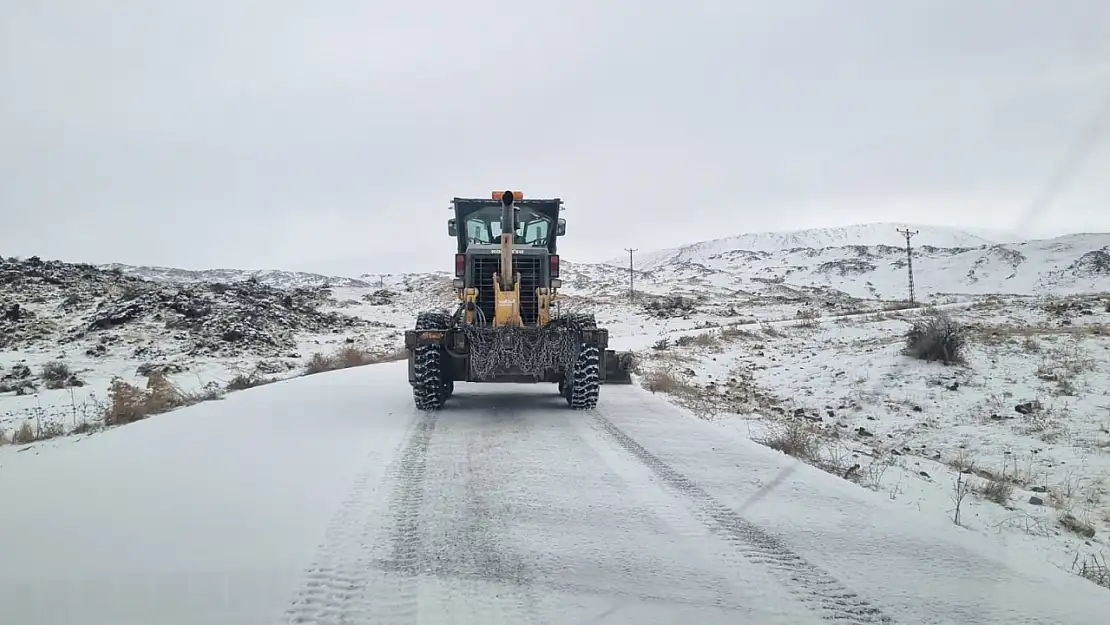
(484, 227)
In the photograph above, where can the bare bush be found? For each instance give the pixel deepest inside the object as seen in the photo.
(996, 490)
(797, 437)
(1076, 525)
(1093, 568)
(935, 337)
(771, 330)
(960, 488)
(243, 381)
(730, 333)
(704, 339)
(809, 317)
(670, 306)
(24, 434)
(1064, 366)
(350, 356)
(128, 403)
(57, 375)
(665, 381)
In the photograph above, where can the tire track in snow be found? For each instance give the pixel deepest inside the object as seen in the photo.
(747, 587)
(477, 575)
(346, 583)
(812, 585)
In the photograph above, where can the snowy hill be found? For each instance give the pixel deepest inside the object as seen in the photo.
(1064, 265)
(270, 277)
(870, 235)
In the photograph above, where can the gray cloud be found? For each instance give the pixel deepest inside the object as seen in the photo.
(331, 136)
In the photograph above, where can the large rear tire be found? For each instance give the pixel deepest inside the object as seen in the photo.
(430, 388)
(583, 381)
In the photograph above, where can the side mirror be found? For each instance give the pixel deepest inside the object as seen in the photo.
(452, 230)
(561, 229)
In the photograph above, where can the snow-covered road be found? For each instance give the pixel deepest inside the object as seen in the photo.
(329, 499)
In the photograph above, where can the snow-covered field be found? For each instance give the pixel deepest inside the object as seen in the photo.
(800, 349)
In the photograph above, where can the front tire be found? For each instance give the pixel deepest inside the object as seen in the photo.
(583, 381)
(430, 389)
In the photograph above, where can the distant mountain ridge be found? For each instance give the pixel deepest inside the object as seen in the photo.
(271, 277)
(866, 260)
(872, 234)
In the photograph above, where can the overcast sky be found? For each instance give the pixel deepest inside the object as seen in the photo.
(331, 135)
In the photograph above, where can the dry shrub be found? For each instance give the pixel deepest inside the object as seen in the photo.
(665, 381)
(730, 333)
(771, 330)
(804, 440)
(57, 375)
(809, 317)
(705, 339)
(128, 403)
(702, 401)
(243, 381)
(351, 356)
(24, 434)
(935, 337)
(796, 437)
(1064, 365)
(1092, 568)
(1073, 524)
(27, 433)
(998, 491)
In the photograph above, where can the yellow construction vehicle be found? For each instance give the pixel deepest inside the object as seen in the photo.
(507, 327)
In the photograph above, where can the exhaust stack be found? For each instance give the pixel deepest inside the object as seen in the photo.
(508, 227)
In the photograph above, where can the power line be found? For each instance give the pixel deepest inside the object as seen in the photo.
(909, 259)
(631, 283)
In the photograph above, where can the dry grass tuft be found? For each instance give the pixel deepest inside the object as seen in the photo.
(24, 434)
(29, 433)
(128, 403)
(796, 437)
(809, 317)
(1065, 365)
(665, 381)
(57, 375)
(1077, 526)
(350, 356)
(899, 305)
(242, 381)
(996, 490)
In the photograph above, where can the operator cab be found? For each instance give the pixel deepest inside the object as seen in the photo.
(478, 222)
(483, 227)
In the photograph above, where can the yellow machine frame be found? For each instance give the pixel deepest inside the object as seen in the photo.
(506, 292)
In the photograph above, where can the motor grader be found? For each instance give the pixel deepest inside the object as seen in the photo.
(507, 327)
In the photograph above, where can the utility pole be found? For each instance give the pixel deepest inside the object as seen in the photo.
(631, 283)
(909, 259)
